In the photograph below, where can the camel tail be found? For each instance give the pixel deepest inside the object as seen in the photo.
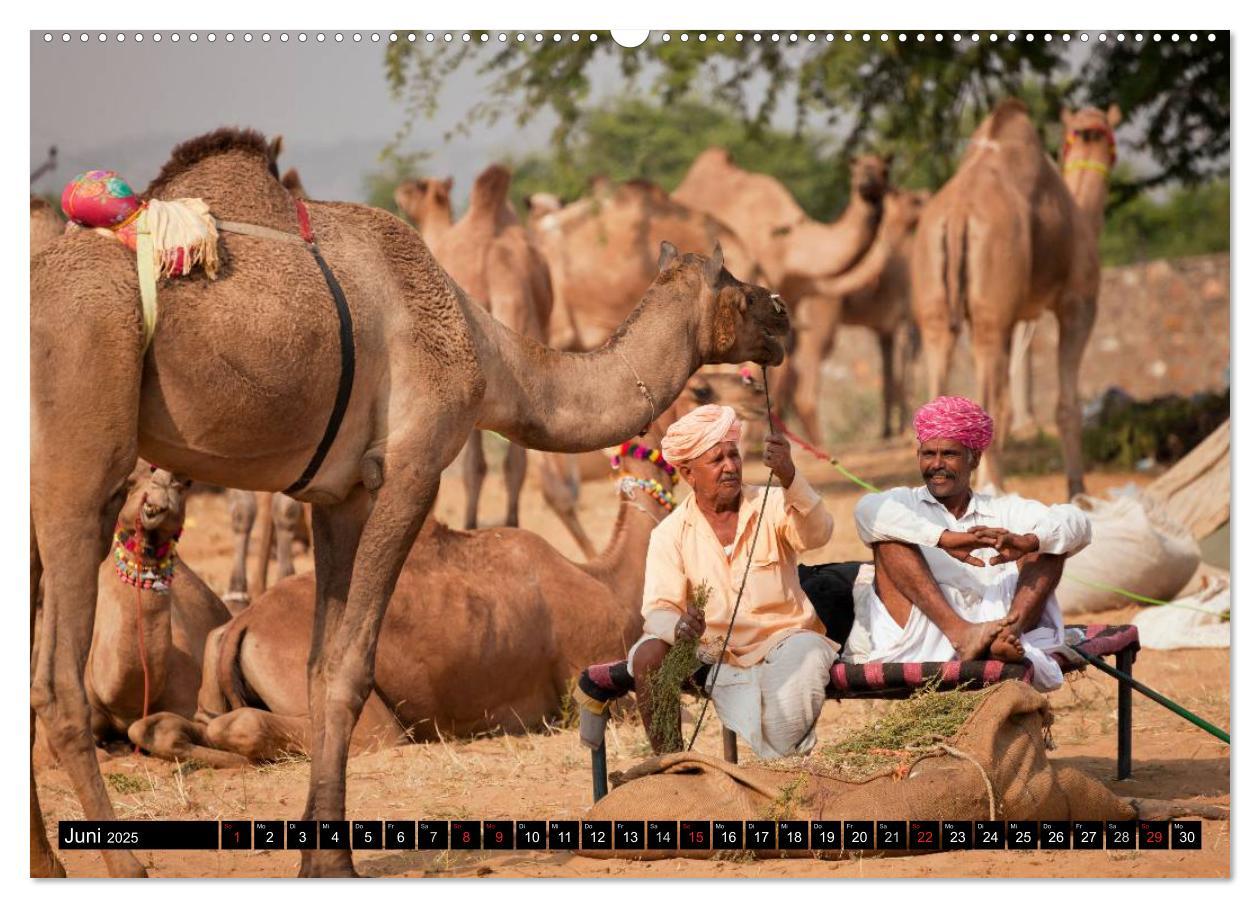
(954, 266)
(228, 670)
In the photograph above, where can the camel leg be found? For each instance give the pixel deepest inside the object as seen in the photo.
(256, 735)
(243, 508)
(991, 349)
(818, 332)
(887, 352)
(514, 475)
(474, 475)
(561, 487)
(1023, 417)
(71, 510)
(938, 350)
(172, 737)
(345, 632)
(262, 563)
(286, 514)
(1076, 321)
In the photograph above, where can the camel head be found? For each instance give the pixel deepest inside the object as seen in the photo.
(903, 206)
(727, 384)
(156, 502)
(739, 322)
(1089, 138)
(425, 202)
(868, 176)
(541, 204)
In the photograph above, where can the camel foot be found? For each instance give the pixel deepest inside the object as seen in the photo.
(976, 639)
(1006, 646)
(123, 864)
(326, 864)
(44, 863)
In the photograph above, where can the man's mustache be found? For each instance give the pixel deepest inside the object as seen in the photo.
(728, 476)
(947, 474)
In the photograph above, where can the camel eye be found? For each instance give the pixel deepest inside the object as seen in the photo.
(702, 394)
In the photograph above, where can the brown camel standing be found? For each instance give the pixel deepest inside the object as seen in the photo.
(875, 294)
(602, 253)
(1008, 237)
(490, 256)
(204, 401)
(147, 642)
(793, 251)
(285, 524)
(484, 632)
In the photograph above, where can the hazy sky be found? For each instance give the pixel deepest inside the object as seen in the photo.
(123, 106)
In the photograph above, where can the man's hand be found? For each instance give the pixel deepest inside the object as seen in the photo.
(961, 545)
(1010, 546)
(778, 457)
(690, 626)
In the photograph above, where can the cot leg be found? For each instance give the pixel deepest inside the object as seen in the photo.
(730, 746)
(1124, 724)
(599, 770)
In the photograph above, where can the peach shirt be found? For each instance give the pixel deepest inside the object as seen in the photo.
(684, 552)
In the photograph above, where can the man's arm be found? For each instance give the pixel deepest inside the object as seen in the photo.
(890, 517)
(1061, 529)
(664, 586)
(807, 523)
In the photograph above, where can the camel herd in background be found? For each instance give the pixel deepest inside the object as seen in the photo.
(572, 331)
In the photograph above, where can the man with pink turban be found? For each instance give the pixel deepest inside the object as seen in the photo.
(959, 573)
(775, 667)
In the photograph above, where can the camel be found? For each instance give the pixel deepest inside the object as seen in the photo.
(285, 524)
(602, 254)
(204, 401)
(485, 631)
(875, 294)
(490, 256)
(135, 672)
(793, 250)
(1008, 237)
(46, 224)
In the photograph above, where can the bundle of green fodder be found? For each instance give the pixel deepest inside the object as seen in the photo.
(940, 755)
(912, 728)
(666, 683)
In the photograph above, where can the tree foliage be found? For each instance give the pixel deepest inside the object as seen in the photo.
(921, 98)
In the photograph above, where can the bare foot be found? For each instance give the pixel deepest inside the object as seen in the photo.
(1006, 646)
(976, 639)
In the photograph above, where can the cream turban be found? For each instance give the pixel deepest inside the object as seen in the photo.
(698, 431)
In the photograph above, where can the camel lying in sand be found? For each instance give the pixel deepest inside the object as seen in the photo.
(1007, 238)
(485, 632)
(794, 251)
(127, 679)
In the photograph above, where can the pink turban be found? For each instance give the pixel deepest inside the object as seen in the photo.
(698, 431)
(956, 418)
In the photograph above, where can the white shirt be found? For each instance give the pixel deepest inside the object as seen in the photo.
(914, 515)
(975, 593)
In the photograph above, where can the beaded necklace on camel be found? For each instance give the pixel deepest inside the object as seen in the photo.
(664, 497)
(141, 565)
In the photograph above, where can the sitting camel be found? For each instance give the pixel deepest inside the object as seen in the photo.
(485, 632)
(153, 615)
(201, 401)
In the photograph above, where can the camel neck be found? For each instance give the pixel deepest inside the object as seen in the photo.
(1088, 188)
(435, 226)
(553, 401)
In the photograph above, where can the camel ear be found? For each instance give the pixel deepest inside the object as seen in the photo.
(713, 267)
(1114, 116)
(275, 147)
(669, 252)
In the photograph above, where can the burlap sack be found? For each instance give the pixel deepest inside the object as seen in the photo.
(1000, 749)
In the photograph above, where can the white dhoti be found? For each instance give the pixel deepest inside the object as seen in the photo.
(922, 641)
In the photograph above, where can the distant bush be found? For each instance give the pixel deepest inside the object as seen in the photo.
(1125, 431)
(1192, 220)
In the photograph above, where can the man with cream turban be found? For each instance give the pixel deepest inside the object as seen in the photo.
(775, 667)
(958, 573)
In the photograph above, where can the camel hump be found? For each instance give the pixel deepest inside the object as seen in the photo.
(188, 154)
(715, 154)
(491, 186)
(1010, 120)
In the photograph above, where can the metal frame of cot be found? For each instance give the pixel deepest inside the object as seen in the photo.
(1124, 724)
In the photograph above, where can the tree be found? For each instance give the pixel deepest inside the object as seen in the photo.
(922, 98)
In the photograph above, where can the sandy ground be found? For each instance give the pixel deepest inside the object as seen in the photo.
(546, 775)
